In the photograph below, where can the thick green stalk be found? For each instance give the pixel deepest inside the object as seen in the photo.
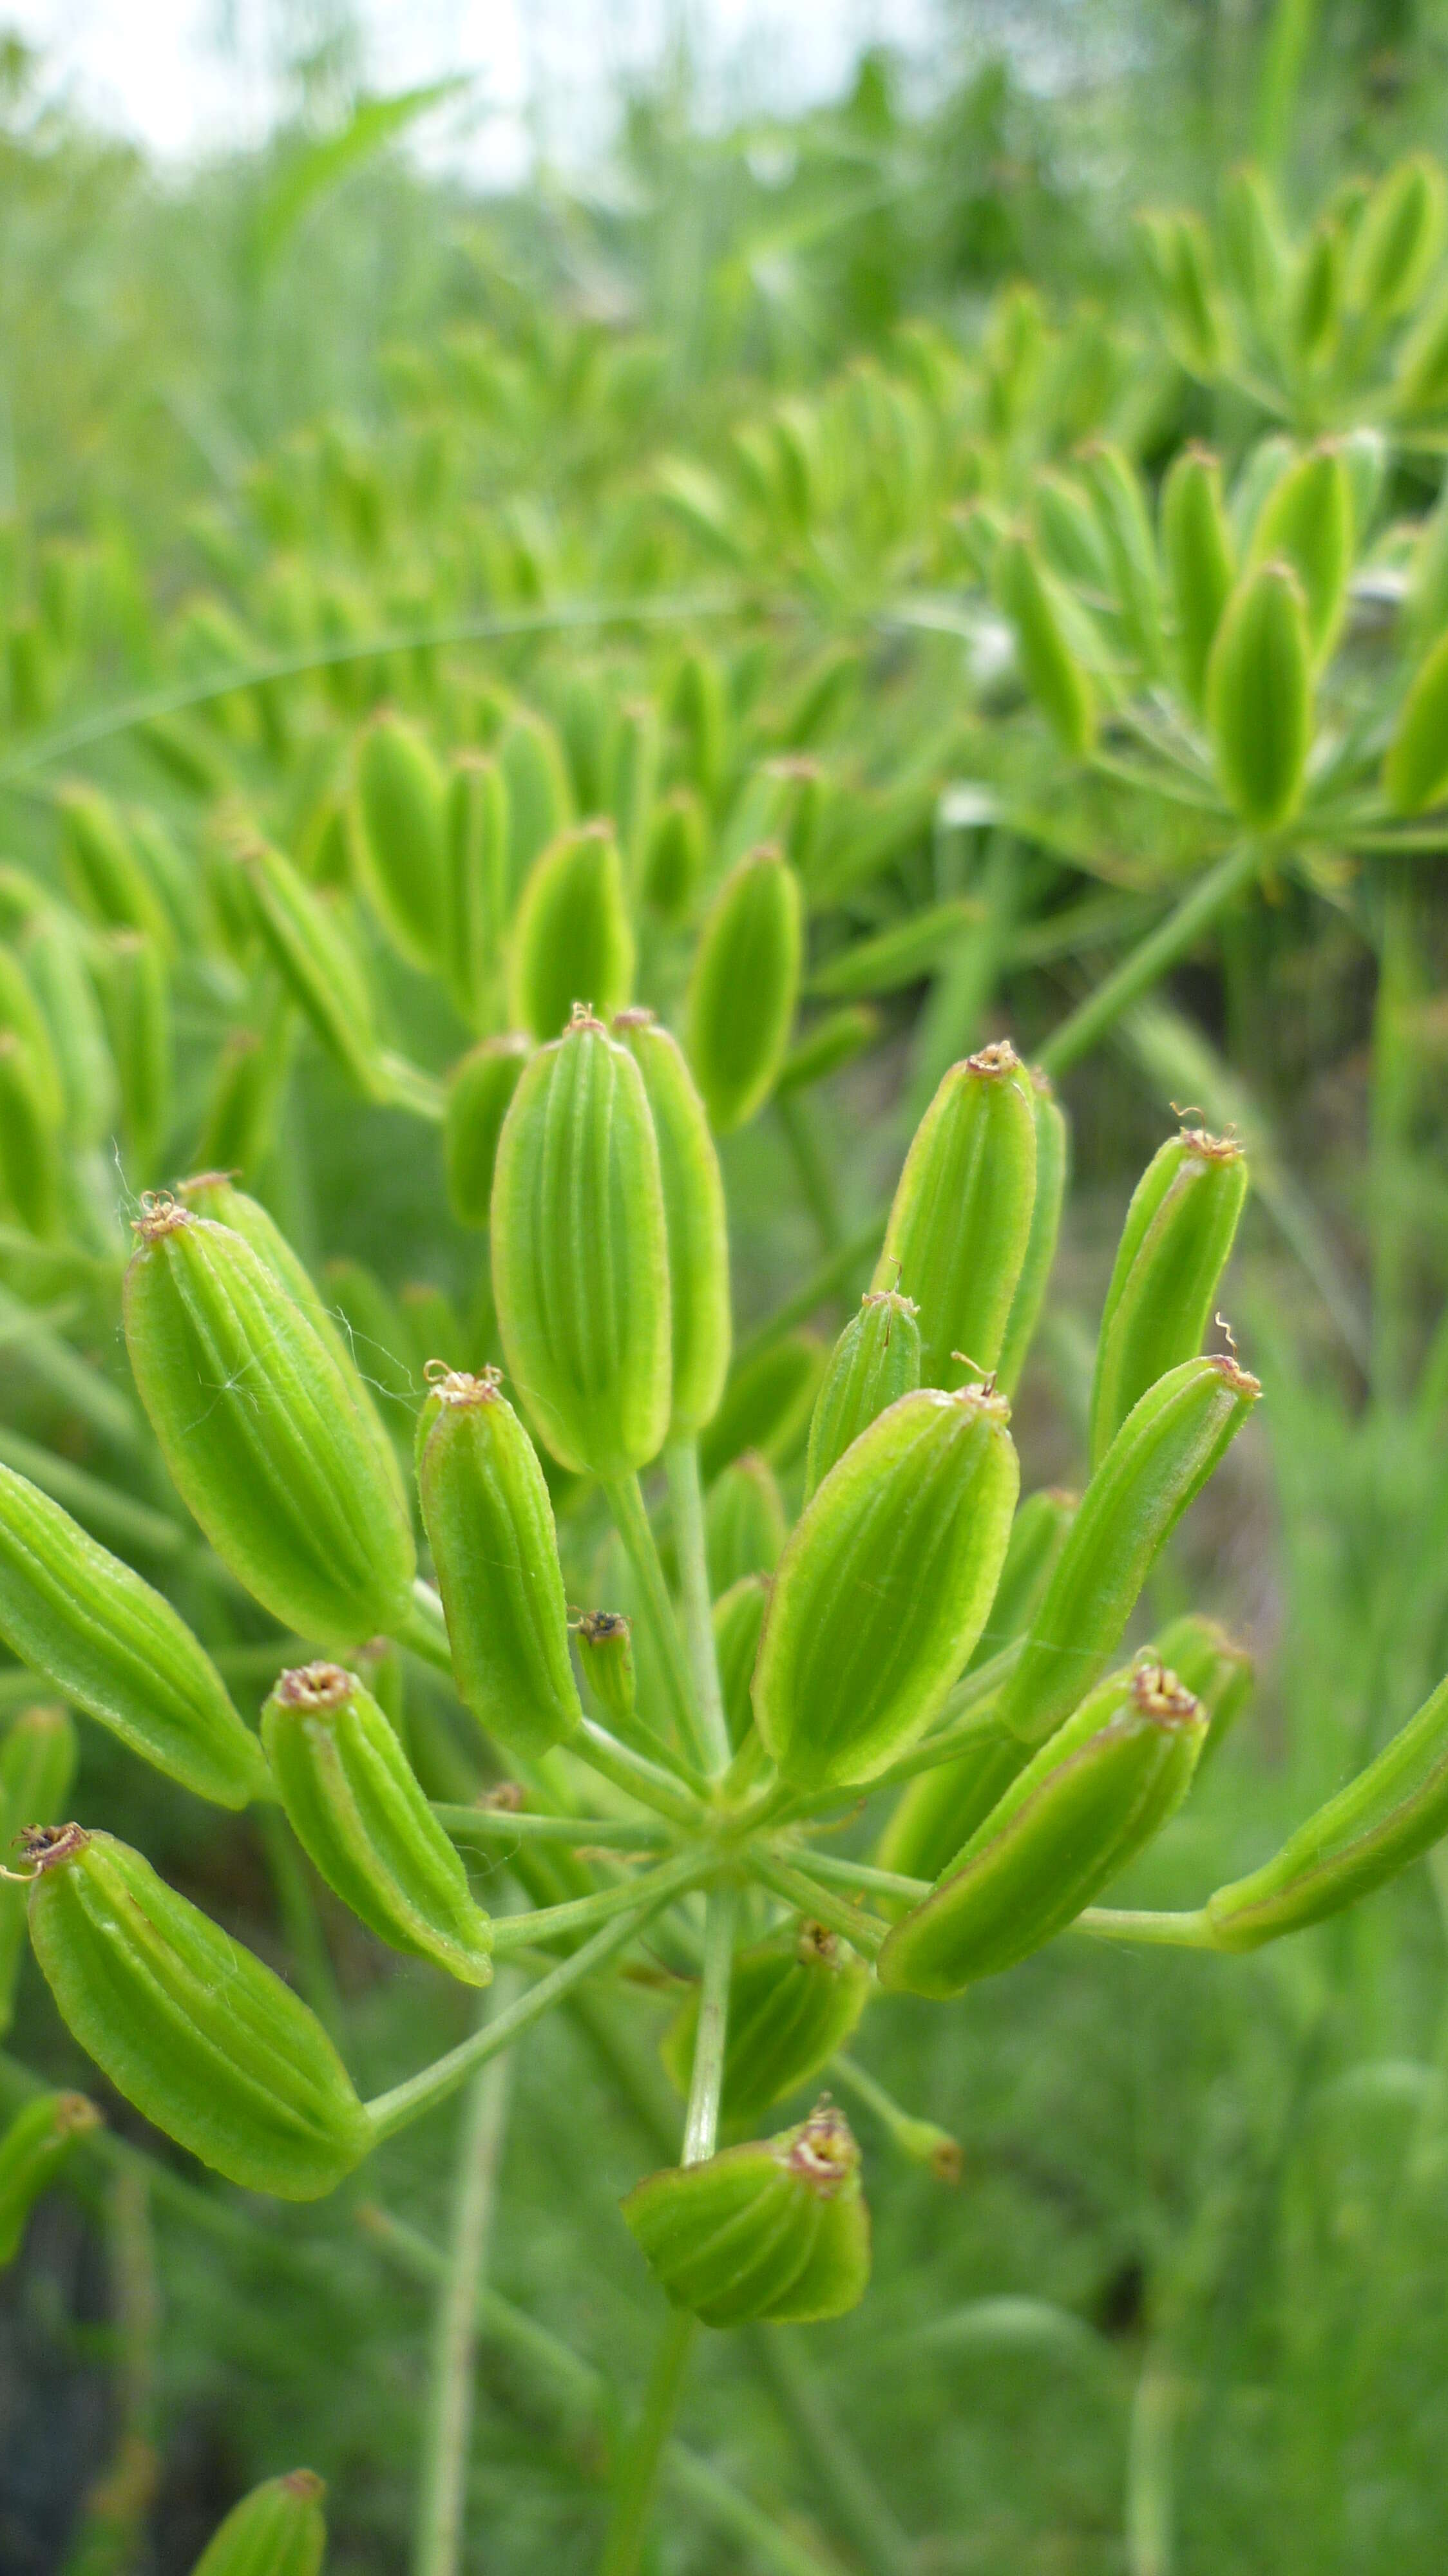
(631, 1520)
(634, 1772)
(638, 2469)
(1174, 1931)
(485, 1826)
(858, 1873)
(581, 1913)
(687, 1497)
(1148, 962)
(706, 2083)
(864, 1932)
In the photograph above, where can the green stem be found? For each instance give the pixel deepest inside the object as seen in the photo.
(686, 1494)
(581, 1913)
(638, 2470)
(488, 1825)
(864, 1932)
(634, 1772)
(706, 2081)
(858, 1873)
(447, 2423)
(923, 2141)
(1177, 1931)
(856, 2507)
(1147, 963)
(631, 1520)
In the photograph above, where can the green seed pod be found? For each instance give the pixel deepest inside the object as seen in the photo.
(479, 1094)
(743, 988)
(540, 803)
(1053, 1156)
(1259, 696)
(1174, 1247)
(55, 965)
(1179, 254)
(1314, 307)
(1397, 239)
(694, 1214)
(32, 2151)
(828, 1046)
(634, 785)
(136, 988)
(777, 2230)
(317, 964)
(490, 1527)
(1170, 1443)
(960, 1222)
(885, 1585)
(22, 1017)
(572, 939)
(267, 1432)
(215, 1195)
(1207, 1662)
(37, 1766)
(239, 1129)
(361, 1818)
(476, 894)
(1415, 771)
(766, 1406)
(1392, 1811)
(745, 1523)
(1070, 533)
(1119, 503)
(1199, 559)
(29, 1145)
(102, 869)
(580, 1255)
(29, 672)
(112, 1646)
(793, 2000)
(1265, 464)
(605, 1651)
(699, 713)
(1069, 1823)
(875, 1361)
(401, 841)
(1058, 681)
(1254, 254)
(738, 1620)
(675, 855)
(1307, 521)
(277, 2530)
(1420, 377)
(207, 2043)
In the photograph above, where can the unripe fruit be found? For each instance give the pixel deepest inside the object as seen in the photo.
(1174, 1247)
(475, 891)
(540, 804)
(745, 1522)
(572, 938)
(29, 1144)
(1121, 513)
(744, 986)
(738, 1619)
(400, 806)
(37, 1766)
(1307, 521)
(479, 1094)
(1199, 558)
(777, 2230)
(793, 2000)
(1057, 679)
(960, 1221)
(1259, 696)
(1053, 1156)
(605, 1652)
(1213, 1667)
(674, 855)
(696, 1223)
(136, 991)
(277, 2530)
(317, 964)
(1415, 771)
(53, 954)
(875, 1361)
(32, 2151)
(1398, 238)
(102, 869)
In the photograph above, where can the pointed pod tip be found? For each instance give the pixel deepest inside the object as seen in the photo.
(305, 2485)
(313, 1686)
(75, 2113)
(1212, 1149)
(1240, 1380)
(161, 1214)
(462, 1387)
(998, 1058)
(46, 1846)
(822, 2151)
(1157, 1694)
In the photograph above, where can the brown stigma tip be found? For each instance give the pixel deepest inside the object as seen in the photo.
(1158, 1694)
(999, 1057)
(46, 1846)
(460, 1386)
(823, 2151)
(894, 1298)
(304, 2484)
(598, 1624)
(1240, 1380)
(584, 1023)
(314, 1686)
(637, 1018)
(947, 2161)
(161, 1214)
(75, 2113)
(1212, 1149)
(816, 1941)
(505, 1798)
(984, 1396)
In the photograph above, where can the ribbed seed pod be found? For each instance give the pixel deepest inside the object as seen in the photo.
(1053, 1159)
(744, 986)
(216, 1195)
(357, 1811)
(580, 1255)
(540, 804)
(239, 1128)
(490, 1527)
(1121, 514)
(277, 2530)
(203, 2039)
(738, 1621)
(1213, 1667)
(268, 1434)
(54, 960)
(1174, 1247)
(105, 876)
(29, 1143)
(875, 1361)
(1415, 771)
(696, 1221)
(1057, 679)
(745, 1522)
(37, 1766)
(476, 897)
(479, 1094)
(766, 1405)
(1307, 522)
(400, 844)
(960, 1221)
(572, 938)
(1199, 560)
(674, 856)
(112, 1646)
(32, 2151)
(1259, 696)
(793, 2000)
(885, 1586)
(1170, 1443)
(1397, 239)
(606, 1655)
(317, 964)
(776, 2230)
(136, 986)
(1092, 1798)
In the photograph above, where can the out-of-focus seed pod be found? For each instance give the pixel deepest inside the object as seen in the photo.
(476, 892)
(277, 2530)
(580, 1255)
(1213, 1667)
(1092, 1798)
(267, 1432)
(203, 2039)
(1053, 1156)
(1070, 532)
(358, 1813)
(239, 1128)
(1307, 521)
(137, 991)
(1397, 239)
(674, 855)
(766, 1405)
(112, 1646)
(1415, 771)
(960, 1222)
(21, 1017)
(183, 755)
(634, 784)
(52, 948)
(33, 2150)
(171, 874)
(1057, 679)
(1264, 466)
(1199, 560)
(1420, 377)
(875, 1361)
(572, 939)
(540, 805)
(827, 1047)
(1179, 254)
(605, 1652)
(29, 672)
(1392, 1811)
(745, 1523)
(1170, 1443)
(885, 1586)
(743, 988)
(29, 1145)
(586, 726)
(1121, 512)
(479, 1093)
(776, 2230)
(1259, 696)
(436, 1330)
(793, 2000)
(317, 963)
(1365, 456)
(37, 1766)
(699, 712)
(1314, 306)
(400, 845)
(105, 876)
(738, 1620)
(1174, 1247)
(1253, 252)
(695, 1218)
